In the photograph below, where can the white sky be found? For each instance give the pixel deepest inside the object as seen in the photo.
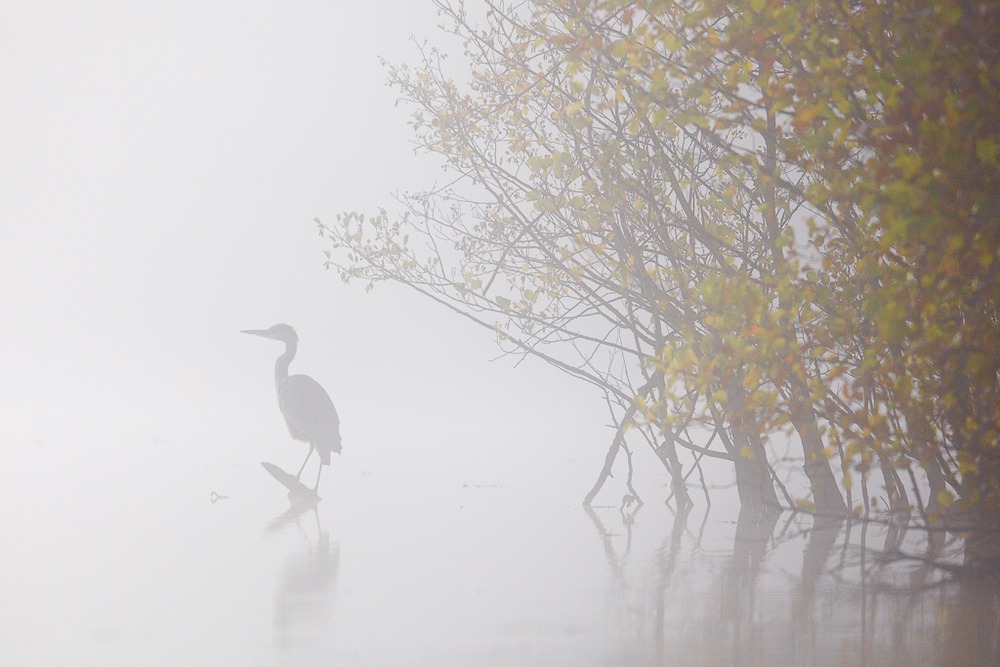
(160, 167)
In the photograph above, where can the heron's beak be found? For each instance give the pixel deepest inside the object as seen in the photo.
(256, 332)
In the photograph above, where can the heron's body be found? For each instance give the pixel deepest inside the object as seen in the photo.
(305, 405)
(310, 414)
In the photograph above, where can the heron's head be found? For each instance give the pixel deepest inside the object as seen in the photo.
(281, 332)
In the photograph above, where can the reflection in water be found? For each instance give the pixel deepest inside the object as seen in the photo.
(740, 625)
(820, 544)
(843, 603)
(306, 584)
(615, 561)
(467, 576)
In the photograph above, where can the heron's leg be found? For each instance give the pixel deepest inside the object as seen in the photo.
(299, 473)
(318, 475)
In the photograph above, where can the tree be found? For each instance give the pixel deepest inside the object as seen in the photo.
(726, 218)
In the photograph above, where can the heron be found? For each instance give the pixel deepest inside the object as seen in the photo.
(305, 405)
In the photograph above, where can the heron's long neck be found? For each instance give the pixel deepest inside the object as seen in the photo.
(281, 365)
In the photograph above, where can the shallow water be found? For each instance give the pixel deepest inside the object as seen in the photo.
(144, 568)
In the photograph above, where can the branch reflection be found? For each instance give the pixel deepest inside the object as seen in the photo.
(815, 592)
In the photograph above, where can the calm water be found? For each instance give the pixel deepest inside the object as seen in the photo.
(108, 560)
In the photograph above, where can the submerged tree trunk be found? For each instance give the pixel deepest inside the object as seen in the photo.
(753, 479)
(898, 500)
(667, 453)
(609, 461)
(826, 495)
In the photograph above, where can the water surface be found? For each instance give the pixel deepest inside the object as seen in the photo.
(131, 564)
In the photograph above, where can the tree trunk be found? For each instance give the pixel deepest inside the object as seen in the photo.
(667, 453)
(826, 495)
(753, 479)
(609, 460)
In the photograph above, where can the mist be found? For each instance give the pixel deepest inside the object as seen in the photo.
(162, 167)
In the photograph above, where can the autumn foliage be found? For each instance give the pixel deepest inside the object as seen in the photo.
(744, 222)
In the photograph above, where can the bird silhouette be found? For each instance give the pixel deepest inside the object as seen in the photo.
(304, 403)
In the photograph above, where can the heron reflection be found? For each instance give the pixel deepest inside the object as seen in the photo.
(305, 590)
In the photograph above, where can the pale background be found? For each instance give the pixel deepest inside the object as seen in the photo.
(160, 168)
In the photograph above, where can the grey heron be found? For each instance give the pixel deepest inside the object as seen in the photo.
(304, 403)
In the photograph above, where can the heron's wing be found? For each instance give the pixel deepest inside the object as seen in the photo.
(309, 411)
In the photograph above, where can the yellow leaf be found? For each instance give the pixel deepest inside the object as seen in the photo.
(965, 466)
(987, 151)
(945, 498)
(746, 452)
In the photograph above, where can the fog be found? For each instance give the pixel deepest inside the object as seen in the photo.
(161, 168)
